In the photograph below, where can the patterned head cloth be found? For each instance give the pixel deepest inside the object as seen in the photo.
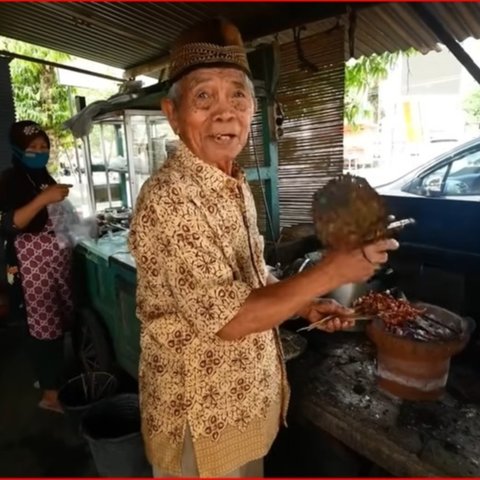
(22, 133)
(212, 43)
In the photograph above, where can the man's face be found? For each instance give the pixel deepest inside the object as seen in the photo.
(213, 114)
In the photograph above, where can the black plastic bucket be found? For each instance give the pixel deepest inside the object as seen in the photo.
(81, 392)
(112, 430)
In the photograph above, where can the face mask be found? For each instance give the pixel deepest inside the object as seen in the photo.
(32, 159)
(35, 159)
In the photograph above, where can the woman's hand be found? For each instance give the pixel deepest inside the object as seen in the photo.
(322, 308)
(54, 193)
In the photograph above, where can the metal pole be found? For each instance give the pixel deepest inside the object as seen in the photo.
(149, 152)
(75, 144)
(88, 171)
(130, 159)
(6, 53)
(106, 164)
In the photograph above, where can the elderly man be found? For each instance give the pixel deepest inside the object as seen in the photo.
(212, 378)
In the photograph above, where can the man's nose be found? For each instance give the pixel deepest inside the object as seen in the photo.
(223, 111)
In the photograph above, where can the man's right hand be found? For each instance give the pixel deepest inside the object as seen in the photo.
(360, 265)
(54, 193)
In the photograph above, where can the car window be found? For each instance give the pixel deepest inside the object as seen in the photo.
(459, 177)
(430, 184)
(463, 178)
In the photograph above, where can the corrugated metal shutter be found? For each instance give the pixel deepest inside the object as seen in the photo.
(311, 149)
(8, 113)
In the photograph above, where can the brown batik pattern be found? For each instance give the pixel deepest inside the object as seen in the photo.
(199, 255)
(192, 54)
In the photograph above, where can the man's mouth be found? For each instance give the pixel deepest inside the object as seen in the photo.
(223, 137)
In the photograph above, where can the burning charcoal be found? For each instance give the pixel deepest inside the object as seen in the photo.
(436, 329)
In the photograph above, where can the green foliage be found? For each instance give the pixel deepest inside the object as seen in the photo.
(471, 105)
(362, 77)
(37, 93)
(365, 72)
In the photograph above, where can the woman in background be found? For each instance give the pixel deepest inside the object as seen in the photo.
(38, 257)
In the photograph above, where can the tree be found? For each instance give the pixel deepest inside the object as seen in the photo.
(38, 95)
(471, 105)
(362, 77)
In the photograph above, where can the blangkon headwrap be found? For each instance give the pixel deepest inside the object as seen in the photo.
(188, 57)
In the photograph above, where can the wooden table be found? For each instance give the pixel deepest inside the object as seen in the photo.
(333, 388)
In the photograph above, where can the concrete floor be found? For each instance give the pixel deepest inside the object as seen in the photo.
(38, 443)
(33, 442)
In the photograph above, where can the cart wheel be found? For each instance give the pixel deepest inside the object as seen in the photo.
(93, 344)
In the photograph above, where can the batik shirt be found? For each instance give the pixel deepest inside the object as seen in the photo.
(199, 255)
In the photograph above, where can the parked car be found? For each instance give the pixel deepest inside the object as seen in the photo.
(454, 175)
(440, 256)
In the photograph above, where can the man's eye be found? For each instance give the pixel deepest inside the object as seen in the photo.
(239, 94)
(202, 95)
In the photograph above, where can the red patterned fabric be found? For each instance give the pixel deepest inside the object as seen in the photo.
(45, 270)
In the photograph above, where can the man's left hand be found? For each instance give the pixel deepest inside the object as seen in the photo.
(327, 307)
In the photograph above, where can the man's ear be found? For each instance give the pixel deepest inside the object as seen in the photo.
(170, 111)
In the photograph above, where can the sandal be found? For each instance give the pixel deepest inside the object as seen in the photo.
(49, 406)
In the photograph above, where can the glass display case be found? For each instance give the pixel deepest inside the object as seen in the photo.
(123, 149)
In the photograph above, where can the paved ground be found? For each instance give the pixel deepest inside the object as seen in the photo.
(33, 442)
(37, 443)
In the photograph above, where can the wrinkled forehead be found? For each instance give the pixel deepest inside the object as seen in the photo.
(215, 76)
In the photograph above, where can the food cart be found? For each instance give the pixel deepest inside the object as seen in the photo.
(121, 151)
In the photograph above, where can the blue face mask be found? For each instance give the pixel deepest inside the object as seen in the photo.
(32, 159)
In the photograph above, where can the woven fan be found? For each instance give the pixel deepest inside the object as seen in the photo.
(348, 213)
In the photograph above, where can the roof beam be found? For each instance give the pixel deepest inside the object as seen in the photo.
(7, 54)
(147, 67)
(432, 22)
(285, 16)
